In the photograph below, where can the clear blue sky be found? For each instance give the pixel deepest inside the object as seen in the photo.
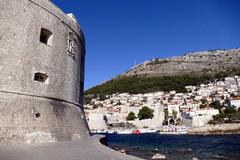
(119, 31)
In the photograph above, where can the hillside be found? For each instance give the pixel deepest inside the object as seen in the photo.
(206, 61)
(174, 73)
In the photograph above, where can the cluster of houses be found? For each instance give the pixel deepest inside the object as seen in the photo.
(192, 109)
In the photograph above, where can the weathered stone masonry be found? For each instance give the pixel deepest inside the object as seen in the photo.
(42, 54)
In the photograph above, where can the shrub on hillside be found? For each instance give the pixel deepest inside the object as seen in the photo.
(145, 84)
(131, 116)
(145, 113)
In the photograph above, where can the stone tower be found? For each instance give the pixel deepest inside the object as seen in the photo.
(42, 54)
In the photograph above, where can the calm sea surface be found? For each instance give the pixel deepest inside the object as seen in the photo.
(178, 147)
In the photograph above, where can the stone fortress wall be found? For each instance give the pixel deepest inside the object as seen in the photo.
(42, 54)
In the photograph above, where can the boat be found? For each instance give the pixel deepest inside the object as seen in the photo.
(176, 130)
(99, 131)
(127, 131)
(147, 130)
(111, 131)
(124, 132)
(136, 131)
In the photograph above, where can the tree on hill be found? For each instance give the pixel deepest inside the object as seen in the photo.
(166, 114)
(204, 101)
(174, 113)
(131, 116)
(228, 115)
(216, 105)
(230, 110)
(146, 84)
(145, 113)
(179, 121)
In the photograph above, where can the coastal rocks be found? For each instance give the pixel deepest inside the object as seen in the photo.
(216, 129)
(122, 151)
(158, 156)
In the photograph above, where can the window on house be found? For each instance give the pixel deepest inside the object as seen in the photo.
(46, 37)
(41, 77)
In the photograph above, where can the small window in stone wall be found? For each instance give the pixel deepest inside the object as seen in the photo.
(41, 77)
(46, 37)
(71, 44)
(37, 115)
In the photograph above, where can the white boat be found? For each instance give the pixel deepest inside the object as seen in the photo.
(99, 131)
(128, 131)
(111, 131)
(124, 132)
(148, 130)
(136, 131)
(176, 130)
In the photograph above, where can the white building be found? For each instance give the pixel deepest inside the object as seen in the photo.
(173, 107)
(235, 102)
(96, 119)
(155, 122)
(201, 117)
(201, 112)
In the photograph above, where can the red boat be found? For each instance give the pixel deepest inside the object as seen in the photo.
(137, 131)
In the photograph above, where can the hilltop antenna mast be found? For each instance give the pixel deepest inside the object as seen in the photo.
(134, 62)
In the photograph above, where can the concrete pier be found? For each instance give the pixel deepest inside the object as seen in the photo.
(83, 149)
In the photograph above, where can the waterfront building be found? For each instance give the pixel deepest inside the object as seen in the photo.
(97, 119)
(235, 101)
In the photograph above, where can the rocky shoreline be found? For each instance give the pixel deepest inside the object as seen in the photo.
(228, 128)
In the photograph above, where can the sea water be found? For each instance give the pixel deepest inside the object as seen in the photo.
(178, 147)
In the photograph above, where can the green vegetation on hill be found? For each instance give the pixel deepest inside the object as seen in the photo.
(227, 114)
(131, 116)
(145, 84)
(145, 113)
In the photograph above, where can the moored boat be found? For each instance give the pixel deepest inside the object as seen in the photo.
(136, 131)
(176, 130)
(147, 130)
(124, 132)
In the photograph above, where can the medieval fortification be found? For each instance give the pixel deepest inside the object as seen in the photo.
(42, 54)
